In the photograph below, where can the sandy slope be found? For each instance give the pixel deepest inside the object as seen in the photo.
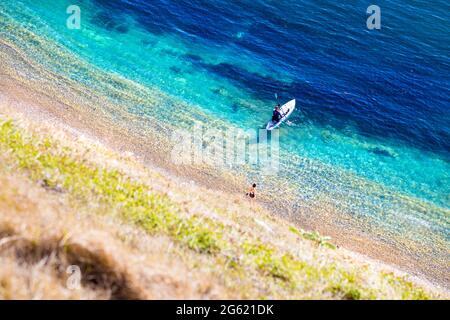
(46, 228)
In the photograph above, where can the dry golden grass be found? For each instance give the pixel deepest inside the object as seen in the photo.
(41, 236)
(138, 234)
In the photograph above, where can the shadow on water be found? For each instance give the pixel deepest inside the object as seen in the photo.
(103, 20)
(378, 104)
(337, 109)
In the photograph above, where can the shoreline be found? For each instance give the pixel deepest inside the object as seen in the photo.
(76, 107)
(241, 222)
(46, 117)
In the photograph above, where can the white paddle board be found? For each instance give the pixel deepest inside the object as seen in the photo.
(285, 110)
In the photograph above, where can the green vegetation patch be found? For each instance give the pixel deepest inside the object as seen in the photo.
(314, 236)
(59, 170)
(56, 170)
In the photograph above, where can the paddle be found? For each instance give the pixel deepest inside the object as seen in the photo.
(278, 103)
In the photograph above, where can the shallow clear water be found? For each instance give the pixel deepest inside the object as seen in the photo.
(371, 135)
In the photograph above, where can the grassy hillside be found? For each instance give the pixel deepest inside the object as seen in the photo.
(136, 233)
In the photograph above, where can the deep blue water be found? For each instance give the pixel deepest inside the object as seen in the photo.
(388, 84)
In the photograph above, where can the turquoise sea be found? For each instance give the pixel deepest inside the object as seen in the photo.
(370, 140)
